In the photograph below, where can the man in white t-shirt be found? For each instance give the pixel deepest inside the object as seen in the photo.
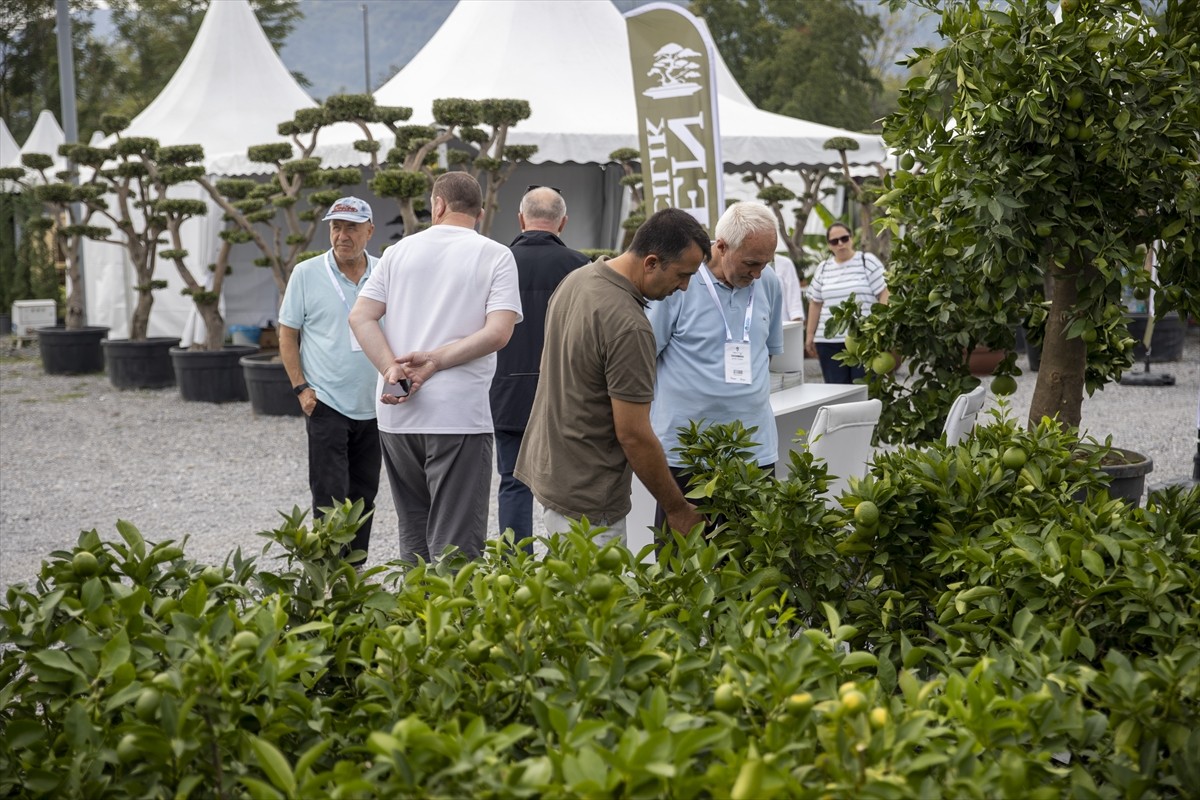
(451, 299)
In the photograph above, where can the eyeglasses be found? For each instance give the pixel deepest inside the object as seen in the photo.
(533, 186)
(840, 239)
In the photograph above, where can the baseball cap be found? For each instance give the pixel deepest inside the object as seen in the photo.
(350, 209)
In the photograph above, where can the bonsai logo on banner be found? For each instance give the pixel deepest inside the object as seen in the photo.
(675, 91)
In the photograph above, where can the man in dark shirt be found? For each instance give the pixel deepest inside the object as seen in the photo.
(542, 262)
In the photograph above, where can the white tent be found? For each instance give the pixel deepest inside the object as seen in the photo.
(8, 146)
(570, 60)
(45, 138)
(230, 92)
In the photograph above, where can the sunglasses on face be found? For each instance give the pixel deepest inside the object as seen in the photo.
(533, 186)
(840, 239)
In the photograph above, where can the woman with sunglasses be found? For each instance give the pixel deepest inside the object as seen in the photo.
(846, 272)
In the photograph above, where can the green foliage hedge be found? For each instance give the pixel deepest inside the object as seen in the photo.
(986, 634)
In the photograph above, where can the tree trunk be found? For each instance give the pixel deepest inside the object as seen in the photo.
(1060, 382)
(139, 325)
(75, 310)
(214, 324)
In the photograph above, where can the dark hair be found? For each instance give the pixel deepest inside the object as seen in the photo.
(841, 225)
(460, 191)
(668, 234)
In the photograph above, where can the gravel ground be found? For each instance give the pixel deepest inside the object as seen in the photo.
(76, 454)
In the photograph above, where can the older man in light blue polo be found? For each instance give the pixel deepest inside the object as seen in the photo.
(334, 382)
(715, 341)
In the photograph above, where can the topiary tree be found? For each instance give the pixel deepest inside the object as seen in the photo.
(1052, 154)
(280, 216)
(67, 218)
(628, 157)
(128, 185)
(494, 159)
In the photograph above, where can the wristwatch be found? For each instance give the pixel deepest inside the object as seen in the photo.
(299, 390)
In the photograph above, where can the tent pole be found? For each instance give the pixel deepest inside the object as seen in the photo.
(366, 53)
(66, 82)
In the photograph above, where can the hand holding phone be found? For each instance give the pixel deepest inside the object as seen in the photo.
(398, 389)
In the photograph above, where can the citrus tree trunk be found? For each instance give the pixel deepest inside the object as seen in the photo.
(1060, 382)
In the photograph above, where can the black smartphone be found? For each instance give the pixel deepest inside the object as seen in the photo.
(399, 389)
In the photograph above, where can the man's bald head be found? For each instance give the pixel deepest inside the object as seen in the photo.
(543, 209)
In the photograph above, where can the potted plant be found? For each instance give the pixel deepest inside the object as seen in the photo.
(74, 347)
(124, 184)
(1041, 157)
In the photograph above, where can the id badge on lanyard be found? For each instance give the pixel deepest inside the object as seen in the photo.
(737, 354)
(354, 345)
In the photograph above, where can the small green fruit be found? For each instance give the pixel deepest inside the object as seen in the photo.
(725, 698)
(854, 702)
(212, 576)
(798, 703)
(1044, 230)
(127, 748)
(1013, 458)
(245, 640)
(147, 704)
(599, 587)
(866, 514)
(851, 344)
(85, 564)
(907, 161)
(878, 717)
(1071, 131)
(478, 651)
(1003, 385)
(523, 596)
(123, 674)
(1075, 99)
(883, 363)
(610, 559)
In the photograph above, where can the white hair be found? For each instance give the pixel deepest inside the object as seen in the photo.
(544, 204)
(742, 219)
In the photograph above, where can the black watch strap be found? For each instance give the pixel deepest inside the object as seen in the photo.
(299, 390)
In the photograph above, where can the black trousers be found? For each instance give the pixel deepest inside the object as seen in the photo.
(344, 458)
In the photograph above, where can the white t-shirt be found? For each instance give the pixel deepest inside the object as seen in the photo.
(862, 276)
(439, 285)
(789, 282)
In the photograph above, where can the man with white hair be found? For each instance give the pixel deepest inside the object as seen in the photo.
(542, 262)
(715, 343)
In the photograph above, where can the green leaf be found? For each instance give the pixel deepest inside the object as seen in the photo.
(275, 764)
(1093, 562)
(137, 546)
(54, 665)
(115, 653)
(859, 659)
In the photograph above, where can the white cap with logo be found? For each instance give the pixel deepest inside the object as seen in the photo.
(350, 209)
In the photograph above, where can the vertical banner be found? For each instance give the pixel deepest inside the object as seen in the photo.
(675, 85)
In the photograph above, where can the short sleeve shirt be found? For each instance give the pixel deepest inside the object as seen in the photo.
(599, 346)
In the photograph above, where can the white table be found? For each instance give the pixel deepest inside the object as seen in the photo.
(794, 409)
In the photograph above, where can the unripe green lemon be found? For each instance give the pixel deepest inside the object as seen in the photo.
(85, 564)
(1044, 230)
(1014, 458)
(883, 363)
(212, 576)
(523, 596)
(1071, 131)
(878, 717)
(638, 682)
(599, 587)
(725, 698)
(1003, 385)
(1088, 335)
(504, 581)
(798, 703)
(907, 161)
(245, 640)
(478, 651)
(851, 344)
(147, 704)
(610, 559)
(123, 674)
(866, 514)
(127, 748)
(854, 701)
(1075, 99)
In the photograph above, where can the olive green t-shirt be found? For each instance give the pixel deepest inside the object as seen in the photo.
(599, 345)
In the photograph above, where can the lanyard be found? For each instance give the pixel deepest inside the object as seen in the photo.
(329, 264)
(712, 292)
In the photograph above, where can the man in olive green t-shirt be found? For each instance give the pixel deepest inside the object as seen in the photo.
(590, 424)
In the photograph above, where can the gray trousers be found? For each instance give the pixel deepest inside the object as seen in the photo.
(441, 484)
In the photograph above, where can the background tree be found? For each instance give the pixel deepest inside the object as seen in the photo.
(1065, 149)
(120, 75)
(806, 59)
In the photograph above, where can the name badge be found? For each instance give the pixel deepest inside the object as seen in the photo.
(737, 362)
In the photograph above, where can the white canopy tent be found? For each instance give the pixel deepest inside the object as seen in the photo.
(8, 146)
(45, 138)
(230, 92)
(570, 60)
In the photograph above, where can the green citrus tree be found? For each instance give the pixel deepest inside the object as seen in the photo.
(1042, 158)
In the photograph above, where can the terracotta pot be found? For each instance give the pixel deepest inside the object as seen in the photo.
(984, 360)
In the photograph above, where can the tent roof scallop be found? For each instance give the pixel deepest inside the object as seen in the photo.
(231, 92)
(570, 60)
